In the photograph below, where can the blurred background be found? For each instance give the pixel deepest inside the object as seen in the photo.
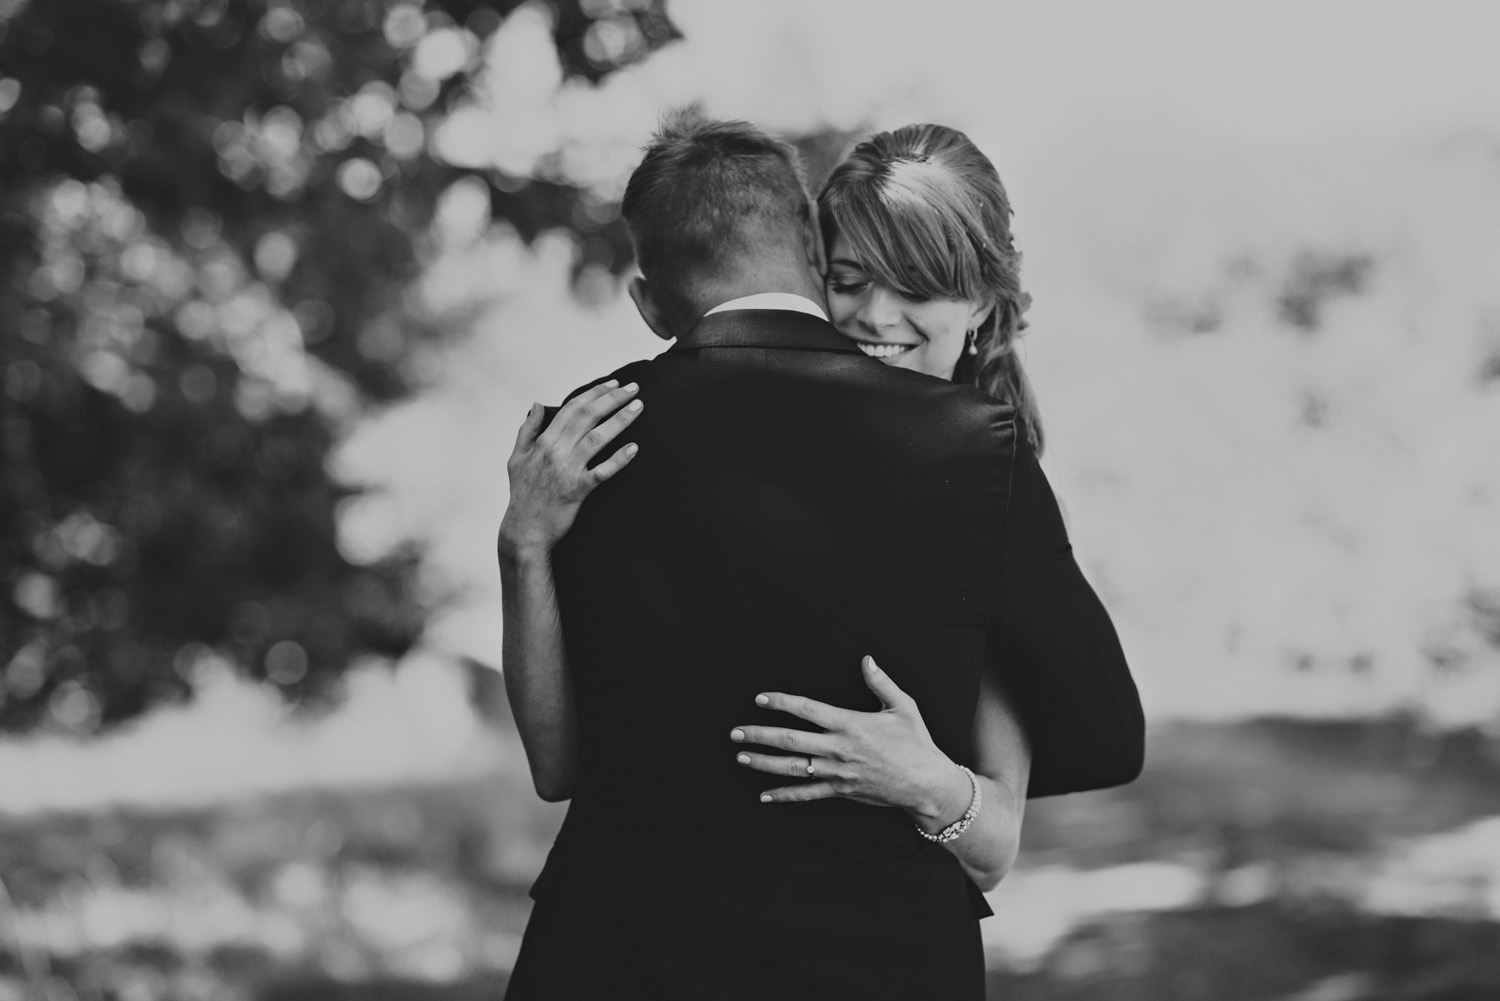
(280, 278)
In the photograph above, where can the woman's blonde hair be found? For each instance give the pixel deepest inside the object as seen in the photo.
(926, 215)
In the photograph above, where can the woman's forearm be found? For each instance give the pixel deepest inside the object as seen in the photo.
(987, 850)
(550, 477)
(1002, 765)
(535, 667)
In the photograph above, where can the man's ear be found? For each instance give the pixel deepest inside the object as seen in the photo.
(812, 240)
(640, 294)
(816, 254)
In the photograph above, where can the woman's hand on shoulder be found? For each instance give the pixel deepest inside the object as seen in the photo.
(549, 470)
(884, 758)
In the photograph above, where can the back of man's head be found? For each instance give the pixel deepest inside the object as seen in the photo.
(711, 201)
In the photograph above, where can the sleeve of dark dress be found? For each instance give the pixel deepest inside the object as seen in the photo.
(1055, 652)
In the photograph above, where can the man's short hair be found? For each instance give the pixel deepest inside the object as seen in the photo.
(706, 194)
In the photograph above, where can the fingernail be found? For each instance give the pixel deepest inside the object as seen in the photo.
(765, 797)
(763, 700)
(634, 405)
(632, 448)
(870, 663)
(632, 387)
(743, 759)
(612, 383)
(736, 734)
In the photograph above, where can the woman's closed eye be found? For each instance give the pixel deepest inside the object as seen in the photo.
(857, 285)
(846, 284)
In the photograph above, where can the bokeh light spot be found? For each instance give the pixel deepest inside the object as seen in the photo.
(404, 135)
(36, 594)
(359, 178)
(26, 672)
(75, 707)
(286, 663)
(275, 255)
(372, 108)
(404, 25)
(198, 384)
(444, 52)
(281, 24)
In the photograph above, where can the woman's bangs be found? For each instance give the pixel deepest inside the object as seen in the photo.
(911, 245)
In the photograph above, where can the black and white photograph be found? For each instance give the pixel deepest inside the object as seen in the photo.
(805, 500)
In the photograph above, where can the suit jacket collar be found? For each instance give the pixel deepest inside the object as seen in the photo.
(765, 328)
(773, 300)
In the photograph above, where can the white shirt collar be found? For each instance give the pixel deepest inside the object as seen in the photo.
(772, 300)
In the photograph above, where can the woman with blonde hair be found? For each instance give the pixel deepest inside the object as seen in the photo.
(915, 220)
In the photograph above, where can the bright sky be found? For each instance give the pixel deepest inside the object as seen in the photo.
(1163, 158)
(1265, 71)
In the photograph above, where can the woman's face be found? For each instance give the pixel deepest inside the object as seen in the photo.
(925, 335)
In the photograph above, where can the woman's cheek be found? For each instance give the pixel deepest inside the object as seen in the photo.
(839, 309)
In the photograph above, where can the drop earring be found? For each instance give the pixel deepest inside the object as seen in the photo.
(973, 338)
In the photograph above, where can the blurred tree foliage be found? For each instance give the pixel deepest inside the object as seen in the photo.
(210, 212)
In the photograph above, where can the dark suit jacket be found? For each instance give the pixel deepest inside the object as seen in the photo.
(794, 506)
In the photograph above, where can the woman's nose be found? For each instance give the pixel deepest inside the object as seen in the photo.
(881, 308)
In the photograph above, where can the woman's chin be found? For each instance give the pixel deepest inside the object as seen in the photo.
(907, 359)
(914, 362)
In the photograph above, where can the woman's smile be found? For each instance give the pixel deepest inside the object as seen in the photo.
(882, 350)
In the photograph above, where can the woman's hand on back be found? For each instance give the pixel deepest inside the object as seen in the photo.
(884, 758)
(549, 471)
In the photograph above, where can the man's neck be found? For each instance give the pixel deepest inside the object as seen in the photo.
(754, 285)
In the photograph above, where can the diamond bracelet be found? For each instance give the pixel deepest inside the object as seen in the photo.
(953, 830)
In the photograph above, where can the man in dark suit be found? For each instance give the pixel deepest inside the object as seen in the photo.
(795, 505)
